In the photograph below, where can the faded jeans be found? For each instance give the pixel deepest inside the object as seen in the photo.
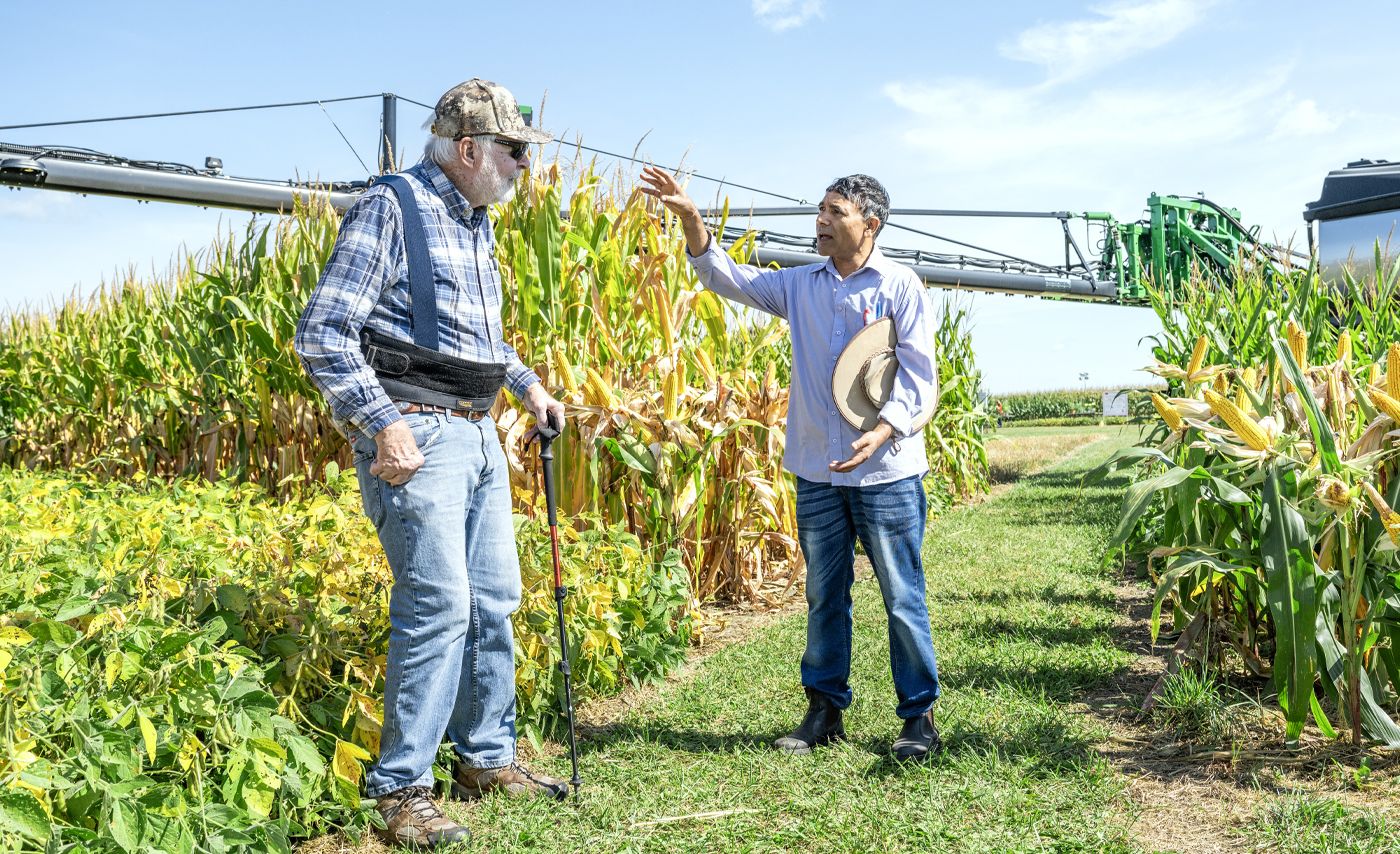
(450, 542)
(889, 520)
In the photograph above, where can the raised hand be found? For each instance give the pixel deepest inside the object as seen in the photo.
(663, 186)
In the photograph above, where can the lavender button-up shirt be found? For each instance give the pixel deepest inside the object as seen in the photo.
(824, 311)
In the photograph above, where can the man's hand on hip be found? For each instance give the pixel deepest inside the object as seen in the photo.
(540, 404)
(397, 457)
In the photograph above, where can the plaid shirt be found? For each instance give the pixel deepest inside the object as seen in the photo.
(365, 285)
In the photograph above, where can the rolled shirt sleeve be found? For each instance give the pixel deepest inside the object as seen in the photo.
(765, 290)
(916, 380)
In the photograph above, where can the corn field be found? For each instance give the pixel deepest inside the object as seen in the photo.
(1265, 506)
(677, 405)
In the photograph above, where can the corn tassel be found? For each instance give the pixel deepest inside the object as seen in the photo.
(1245, 427)
(1168, 412)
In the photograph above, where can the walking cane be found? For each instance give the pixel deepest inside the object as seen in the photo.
(548, 432)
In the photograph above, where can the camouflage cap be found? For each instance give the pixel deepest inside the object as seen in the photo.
(480, 106)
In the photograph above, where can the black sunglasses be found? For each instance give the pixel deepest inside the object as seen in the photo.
(517, 149)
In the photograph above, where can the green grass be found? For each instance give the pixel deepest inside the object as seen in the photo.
(1305, 824)
(1021, 618)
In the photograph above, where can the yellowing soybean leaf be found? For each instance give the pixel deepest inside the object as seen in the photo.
(14, 636)
(4, 660)
(346, 763)
(148, 732)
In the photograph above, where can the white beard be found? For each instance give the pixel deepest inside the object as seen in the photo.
(489, 186)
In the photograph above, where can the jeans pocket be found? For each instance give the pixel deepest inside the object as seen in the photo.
(426, 428)
(371, 499)
(362, 448)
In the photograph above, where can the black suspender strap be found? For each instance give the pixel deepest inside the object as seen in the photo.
(422, 289)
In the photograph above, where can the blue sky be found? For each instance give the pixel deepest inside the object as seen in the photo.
(1009, 105)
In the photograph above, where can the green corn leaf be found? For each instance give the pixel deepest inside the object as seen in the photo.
(1317, 422)
(1290, 581)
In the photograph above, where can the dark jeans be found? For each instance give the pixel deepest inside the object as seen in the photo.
(889, 520)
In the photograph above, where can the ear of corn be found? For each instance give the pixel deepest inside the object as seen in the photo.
(1245, 427)
(1169, 414)
(1333, 494)
(1344, 346)
(1392, 371)
(1198, 356)
(1298, 343)
(1385, 403)
(1389, 518)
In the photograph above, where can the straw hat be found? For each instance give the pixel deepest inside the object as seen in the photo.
(864, 377)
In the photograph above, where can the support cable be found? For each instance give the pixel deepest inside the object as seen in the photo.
(188, 113)
(344, 137)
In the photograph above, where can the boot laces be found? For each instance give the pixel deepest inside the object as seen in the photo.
(418, 800)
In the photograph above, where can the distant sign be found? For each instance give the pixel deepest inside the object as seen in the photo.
(1115, 403)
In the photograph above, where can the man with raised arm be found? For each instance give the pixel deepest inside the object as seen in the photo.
(850, 484)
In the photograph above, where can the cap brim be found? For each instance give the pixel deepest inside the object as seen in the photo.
(531, 135)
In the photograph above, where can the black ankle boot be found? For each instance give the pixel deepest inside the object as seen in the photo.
(822, 725)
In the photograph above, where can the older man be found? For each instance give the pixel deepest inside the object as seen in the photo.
(403, 337)
(876, 493)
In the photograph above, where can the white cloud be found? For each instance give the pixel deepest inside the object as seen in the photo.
(780, 15)
(33, 204)
(1073, 49)
(970, 124)
(1304, 118)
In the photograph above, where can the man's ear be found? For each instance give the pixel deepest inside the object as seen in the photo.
(872, 224)
(466, 150)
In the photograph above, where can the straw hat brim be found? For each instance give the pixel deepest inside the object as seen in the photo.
(864, 376)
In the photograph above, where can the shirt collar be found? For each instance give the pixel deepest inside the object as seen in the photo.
(876, 261)
(457, 206)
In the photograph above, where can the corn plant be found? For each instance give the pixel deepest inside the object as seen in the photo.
(1267, 501)
(678, 403)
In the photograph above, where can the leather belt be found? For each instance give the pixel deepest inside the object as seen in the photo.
(470, 415)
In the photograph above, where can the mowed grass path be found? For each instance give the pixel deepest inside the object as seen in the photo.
(1021, 616)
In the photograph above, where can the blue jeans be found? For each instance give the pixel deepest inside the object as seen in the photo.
(450, 542)
(889, 520)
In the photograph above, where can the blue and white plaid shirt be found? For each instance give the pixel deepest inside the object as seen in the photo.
(365, 285)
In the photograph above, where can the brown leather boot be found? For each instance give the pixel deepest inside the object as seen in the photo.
(822, 725)
(514, 779)
(412, 819)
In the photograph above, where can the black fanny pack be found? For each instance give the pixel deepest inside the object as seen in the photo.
(417, 372)
(419, 375)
